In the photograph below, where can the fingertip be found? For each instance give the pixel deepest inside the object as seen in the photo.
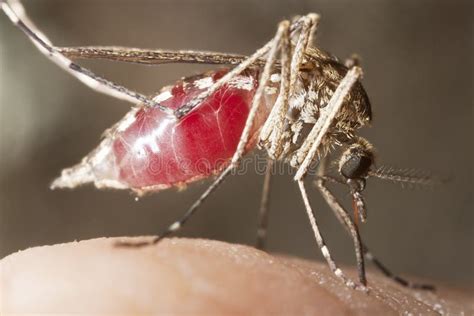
(184, 276)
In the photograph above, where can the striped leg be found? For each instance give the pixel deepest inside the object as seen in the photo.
(394, 277)
(274, 124)
(16, 13)
(347, 223)
(273, 128)
(153, 56)
(352, 229)
(322, 245)
(283, 30)
(300, 23)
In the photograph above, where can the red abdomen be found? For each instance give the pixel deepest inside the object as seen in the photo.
(150, 150)
(158, 150)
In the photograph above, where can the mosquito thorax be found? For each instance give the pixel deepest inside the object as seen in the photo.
(316, 82)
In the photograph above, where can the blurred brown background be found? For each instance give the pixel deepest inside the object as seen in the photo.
(417, 57)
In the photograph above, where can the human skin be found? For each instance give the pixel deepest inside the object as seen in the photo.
(199, 277)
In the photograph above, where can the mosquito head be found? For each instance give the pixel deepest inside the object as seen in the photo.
(354, 166)
(356, 162)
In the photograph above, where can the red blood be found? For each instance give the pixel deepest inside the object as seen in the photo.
(158, 151)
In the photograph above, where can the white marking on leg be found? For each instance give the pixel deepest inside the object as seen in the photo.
(175, 226)
(325, 252)
(9, 12)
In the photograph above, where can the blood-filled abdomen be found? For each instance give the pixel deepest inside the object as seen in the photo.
(149, 150)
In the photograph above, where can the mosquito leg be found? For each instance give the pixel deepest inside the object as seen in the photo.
(160, 56)
(275, 120)
(16, 13)
(276, 117)
(282, 29)
(394, 277)
(311, 145)
(312, 32)
(273, 127)
(344, 218)
(278, 111)
(178, 224)
(264, 203)
(234, 72)
(322, 245)
(349, 225)
(153, 56)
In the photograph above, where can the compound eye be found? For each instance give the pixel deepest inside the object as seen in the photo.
(356, 165)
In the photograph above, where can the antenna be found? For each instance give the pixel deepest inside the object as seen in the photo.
(407, 176)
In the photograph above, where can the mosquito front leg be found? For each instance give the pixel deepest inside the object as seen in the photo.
(282, 29)
(398, 279)
(345, 220)
(264, 206)
(322, 245)
(349, 225)
(16, 13)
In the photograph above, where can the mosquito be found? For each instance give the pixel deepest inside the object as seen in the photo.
(290, 98)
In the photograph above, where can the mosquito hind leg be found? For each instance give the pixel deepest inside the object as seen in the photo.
(153, 56)
(16, 13)
(282, 31)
